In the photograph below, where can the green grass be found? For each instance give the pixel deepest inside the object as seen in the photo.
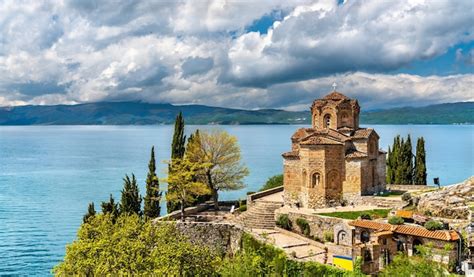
(394, 193)
(376, 213)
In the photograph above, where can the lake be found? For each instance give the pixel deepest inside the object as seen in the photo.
(49, 174)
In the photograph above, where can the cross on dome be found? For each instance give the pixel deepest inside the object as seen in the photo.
(334, 85)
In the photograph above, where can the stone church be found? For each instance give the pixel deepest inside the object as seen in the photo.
(335, 160)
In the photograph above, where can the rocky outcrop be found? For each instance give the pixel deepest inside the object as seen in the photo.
(450, 202)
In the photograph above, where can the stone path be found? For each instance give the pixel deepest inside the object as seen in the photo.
(293, 245)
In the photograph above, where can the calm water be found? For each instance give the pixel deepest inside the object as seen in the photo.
(48, 174)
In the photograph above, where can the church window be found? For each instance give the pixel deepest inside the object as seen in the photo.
(315, 180)
(327, 121)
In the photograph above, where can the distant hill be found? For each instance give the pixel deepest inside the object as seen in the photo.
(136, 113)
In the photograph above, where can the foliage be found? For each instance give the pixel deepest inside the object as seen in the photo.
(400, 166)
(366, 216)
(260, 259)
(194, 143)
(419, 177)
(242, 208)
(152, 198)
(183, 188)
(328, 236)
(111, 208)
(134, 247)
(433, 225)
(376, 213)
(273, 182)
(178, 148)
(283, 221)
(304, 226)
(90, 213)
(395, 220)
(406, 196)
(130, 203)
(220, 151)
(420, 265)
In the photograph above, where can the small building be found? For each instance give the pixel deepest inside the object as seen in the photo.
(335, 159)
(377, 243)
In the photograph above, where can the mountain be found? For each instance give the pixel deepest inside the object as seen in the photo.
(137, 113)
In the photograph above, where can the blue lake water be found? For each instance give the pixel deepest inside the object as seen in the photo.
(48, 175)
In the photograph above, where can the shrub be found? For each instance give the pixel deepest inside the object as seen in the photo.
(242, 208)
(304, 226)
(406, 196)
(396, 220)
(250, 192)
(328, 236)
(273, 182)
(365, 216)
(433, 225)
(283, 221)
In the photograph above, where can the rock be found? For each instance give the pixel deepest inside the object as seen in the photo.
(450, 202)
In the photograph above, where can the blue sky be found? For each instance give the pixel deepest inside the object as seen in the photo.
(265, 54)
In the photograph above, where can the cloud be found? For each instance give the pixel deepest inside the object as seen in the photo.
(203, 52)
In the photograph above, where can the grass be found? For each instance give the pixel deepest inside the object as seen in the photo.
(376, 213)
(393, 193)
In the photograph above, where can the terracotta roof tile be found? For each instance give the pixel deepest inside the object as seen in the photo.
(407, 230)
(336, 96)
(404, 214)
(353, 154)
(363, 133)
(314, 140)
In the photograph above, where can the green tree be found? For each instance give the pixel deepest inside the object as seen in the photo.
(420, 163)
(395, 159)
(221, 152)
(90, 213)
(178, 148)
(110, 207)
(194, 143)
(390, 176)
(153, 194)
(273, 182)
(408, 161)
(130, 203)
(134, 247)
(182, 184)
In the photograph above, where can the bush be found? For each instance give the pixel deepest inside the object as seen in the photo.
(365, 216)
(328, 236)
(283, 221)
(396, 220)
(242, 208)
(304, 226)
(250, 192)
(433, 225)
(273, 182)
(406, 196)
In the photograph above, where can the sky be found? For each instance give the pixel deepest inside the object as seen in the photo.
(239, 54)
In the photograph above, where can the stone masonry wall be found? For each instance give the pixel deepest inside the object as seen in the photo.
(222, 237)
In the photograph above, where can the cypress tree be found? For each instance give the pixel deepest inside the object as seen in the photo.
(397, 160)
(110, 207)
(152, 199)
(178, 147)
(131, 201)
(90, 213)
(389, 176)
(420, 161)
(408, 160)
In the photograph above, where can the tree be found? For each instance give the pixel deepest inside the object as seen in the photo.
(395, 157)
(178, 147)
(183, 188)
(193, 145)
(390, 176)
(273, 182)
(110, 207)
(90, 213)
(152, 198)
(130, 203)
(135, 247)
(420, 163)
(221, 152)
(407, 161)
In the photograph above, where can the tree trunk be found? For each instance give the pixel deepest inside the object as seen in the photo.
(215, 198)
(182, 211)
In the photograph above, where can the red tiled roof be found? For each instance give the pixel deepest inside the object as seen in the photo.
(314, 140)
(336, 96)
(363, 133)
(407, 230)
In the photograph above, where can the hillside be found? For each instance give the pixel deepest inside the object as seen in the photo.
(136, 113)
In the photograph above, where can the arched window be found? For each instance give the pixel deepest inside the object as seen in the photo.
(341, 236)
(315, 180)
(327, 121)
(364, 236)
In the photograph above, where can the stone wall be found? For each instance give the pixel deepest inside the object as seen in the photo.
(222, 237)
(318, 224)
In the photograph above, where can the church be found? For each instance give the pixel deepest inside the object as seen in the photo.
(335, 160)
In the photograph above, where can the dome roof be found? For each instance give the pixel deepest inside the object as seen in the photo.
(336, 96)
